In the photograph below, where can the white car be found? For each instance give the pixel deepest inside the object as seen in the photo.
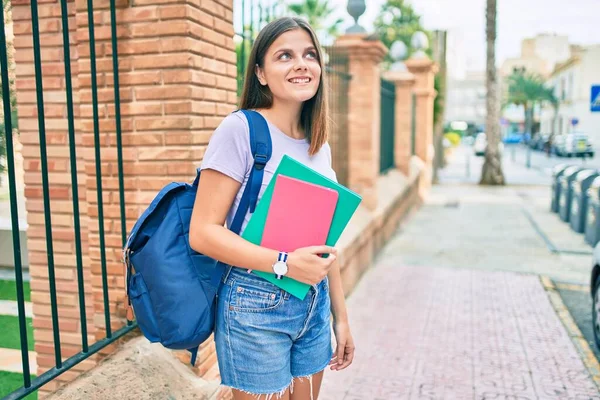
(481, 144)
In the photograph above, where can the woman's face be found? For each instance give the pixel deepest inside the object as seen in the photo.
(291, 69)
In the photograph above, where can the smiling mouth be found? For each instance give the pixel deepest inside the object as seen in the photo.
(299, 81)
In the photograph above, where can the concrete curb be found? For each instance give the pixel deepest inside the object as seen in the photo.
(583, 348)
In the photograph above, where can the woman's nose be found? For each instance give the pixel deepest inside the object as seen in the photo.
(300, 64)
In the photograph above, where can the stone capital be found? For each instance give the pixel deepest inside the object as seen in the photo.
(358, 46)
(421, 65)
(400, 78)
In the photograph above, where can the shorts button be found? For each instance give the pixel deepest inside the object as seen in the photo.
(240, 289)
(273, 296)
(231, 307)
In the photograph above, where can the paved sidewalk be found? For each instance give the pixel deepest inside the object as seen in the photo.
(454, 308)
(442, 333)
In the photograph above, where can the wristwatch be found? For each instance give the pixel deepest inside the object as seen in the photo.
(280, 267)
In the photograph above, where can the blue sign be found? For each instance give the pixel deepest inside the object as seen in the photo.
(574, 121)
(595, 99)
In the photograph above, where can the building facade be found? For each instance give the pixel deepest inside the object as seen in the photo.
(573, 81)
(466, 99)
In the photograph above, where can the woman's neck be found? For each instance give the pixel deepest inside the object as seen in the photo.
(286, 117)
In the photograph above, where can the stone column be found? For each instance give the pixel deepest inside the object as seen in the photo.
(177, 72)
(404, 82)
(424, 71)
(364, 57)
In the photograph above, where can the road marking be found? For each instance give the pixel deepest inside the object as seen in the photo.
(573, 287)
(581, 344)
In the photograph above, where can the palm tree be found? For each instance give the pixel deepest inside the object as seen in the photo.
(527, 90)
(549, 97)
(317, 13)
(491, 173)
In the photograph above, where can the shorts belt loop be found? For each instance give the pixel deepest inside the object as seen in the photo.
(229, 267)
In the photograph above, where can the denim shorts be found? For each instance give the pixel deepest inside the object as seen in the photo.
(265, 337)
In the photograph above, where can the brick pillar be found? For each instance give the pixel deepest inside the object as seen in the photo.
(424, 71)
(177, 70)
(404, 82)
(364, 99)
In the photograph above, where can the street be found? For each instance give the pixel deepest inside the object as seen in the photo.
(468, 297)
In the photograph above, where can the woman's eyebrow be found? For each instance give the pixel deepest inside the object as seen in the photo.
(291, 51)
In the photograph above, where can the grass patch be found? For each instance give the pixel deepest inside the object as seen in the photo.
(8, 290)
(10, 338)
(11, 381)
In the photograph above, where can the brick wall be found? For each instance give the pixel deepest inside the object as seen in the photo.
(177, 81)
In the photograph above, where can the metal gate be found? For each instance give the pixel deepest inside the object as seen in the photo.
(61, 365)
(388, 120)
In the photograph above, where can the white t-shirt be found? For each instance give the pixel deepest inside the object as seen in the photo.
(229, 153)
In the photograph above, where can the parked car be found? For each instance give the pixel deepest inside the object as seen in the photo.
(480, 144)
(573, 144)
(513, 138)
(539, 141)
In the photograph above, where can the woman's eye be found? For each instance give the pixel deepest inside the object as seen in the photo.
(284, 56)
(312, 54)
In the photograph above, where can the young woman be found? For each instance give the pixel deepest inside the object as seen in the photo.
(269, 343)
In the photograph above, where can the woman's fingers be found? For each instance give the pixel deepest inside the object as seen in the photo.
(338, 362)
(348, 358)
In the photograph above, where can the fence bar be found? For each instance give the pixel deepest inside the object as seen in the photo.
(74, 183)
(115, 57)
(90, 11)
(68, 364)
(251, 23)
(413, 124)
(14, 211)
(45, 184)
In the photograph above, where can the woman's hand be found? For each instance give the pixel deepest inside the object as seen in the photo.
(306, 265)
(344, 352)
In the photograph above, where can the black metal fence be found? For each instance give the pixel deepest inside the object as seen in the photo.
(413, 125)
(338, 79)
(61, 365)
(387, 126)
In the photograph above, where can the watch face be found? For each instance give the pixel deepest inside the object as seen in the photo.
(280, 268)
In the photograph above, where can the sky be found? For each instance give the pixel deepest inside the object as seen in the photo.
(517, 19)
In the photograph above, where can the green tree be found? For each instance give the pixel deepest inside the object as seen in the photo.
(491, 172)
(318, 13)
(397, 20)
(528, 90)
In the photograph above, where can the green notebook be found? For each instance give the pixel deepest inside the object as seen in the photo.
(348, 202)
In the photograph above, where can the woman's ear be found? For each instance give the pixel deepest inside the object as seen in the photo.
(260, 74)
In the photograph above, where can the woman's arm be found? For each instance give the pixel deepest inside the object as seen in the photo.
(344, 352)
(336, 294)
(216, 192)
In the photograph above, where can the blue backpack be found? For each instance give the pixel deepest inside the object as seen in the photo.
(173, 288)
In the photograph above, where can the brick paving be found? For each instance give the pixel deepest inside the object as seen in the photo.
(443, 333)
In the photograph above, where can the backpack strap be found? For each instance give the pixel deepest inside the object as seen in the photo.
(261, 147)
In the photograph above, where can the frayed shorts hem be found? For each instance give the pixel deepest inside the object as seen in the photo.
(276, 393)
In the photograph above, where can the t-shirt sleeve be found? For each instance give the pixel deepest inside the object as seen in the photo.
(229, 148)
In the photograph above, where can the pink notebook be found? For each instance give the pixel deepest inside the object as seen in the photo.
(300, 215)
